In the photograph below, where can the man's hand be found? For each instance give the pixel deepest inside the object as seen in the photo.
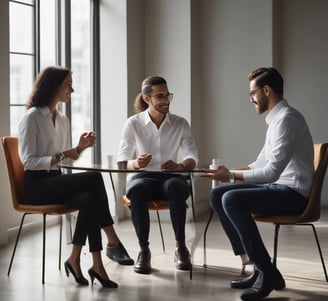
(142, 161)
(171, 165)
(220, 174)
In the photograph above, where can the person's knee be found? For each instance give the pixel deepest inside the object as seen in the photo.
(138, 192)
(176, 187)
(94, 177)
(230, 199)
(137, 187)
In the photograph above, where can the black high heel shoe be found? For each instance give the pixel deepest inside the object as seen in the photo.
(69, 269)
(105, 283)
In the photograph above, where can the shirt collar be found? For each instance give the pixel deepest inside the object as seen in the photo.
(45, 110)
(275, 110)
(146, 118)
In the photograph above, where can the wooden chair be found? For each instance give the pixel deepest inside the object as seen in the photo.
(311, 212)
(162, 204)
(16, 179)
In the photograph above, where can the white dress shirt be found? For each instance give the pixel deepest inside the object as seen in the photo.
(171, 141)
(287, 155)
(40, 139)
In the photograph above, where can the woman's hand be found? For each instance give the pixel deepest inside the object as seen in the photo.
(87, 139)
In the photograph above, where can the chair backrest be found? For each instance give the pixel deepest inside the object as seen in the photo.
(312, 211)
(15, 169)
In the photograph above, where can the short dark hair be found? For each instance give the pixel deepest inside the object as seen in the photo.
(46, 86)
(268, 76)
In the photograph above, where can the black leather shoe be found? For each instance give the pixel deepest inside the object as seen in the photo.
(264, 285)
(119, 254)
(143, 265)
(182, 259)
(245, 282)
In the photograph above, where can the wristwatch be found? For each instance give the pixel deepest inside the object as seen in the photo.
(60, 157)
(232, 178)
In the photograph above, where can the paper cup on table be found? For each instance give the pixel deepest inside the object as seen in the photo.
(122, 165)
(111, 161)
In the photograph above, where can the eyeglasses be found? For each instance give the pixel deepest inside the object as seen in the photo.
(253, 92)
(161, 96)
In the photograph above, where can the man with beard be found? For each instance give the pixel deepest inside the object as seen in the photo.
(152, 139)
(278, 182)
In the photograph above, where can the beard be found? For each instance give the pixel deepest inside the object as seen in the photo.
(262, 105)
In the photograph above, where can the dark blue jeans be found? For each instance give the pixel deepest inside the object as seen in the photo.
(235, 205)
(144, 187)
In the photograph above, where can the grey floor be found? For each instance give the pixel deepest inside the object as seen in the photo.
(298, 261)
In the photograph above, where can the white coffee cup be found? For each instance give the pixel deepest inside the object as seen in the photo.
(111, 161)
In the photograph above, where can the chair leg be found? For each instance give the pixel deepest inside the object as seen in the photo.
(160, 230)
(16, 243)
(205, 233)
(192, 199)
(44, 248)
(60, 240)
(320, 252)
(275, 247)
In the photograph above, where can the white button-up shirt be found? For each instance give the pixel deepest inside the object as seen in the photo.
(171, 141)
(39, 139)
(287, 155)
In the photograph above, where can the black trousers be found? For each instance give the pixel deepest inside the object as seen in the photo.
(85, 191)
(144, 187)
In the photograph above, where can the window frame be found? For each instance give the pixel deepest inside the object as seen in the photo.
(63, 56)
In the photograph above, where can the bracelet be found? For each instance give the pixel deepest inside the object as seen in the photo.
(60, 157)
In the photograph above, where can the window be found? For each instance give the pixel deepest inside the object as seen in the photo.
(39, 35)
(81, 105)
(22, 56)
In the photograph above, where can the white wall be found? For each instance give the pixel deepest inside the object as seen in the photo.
(302, 56)
(232, 45)
(167, 49)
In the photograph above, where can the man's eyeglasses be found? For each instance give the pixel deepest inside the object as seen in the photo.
(161, 96)
(253, 92)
